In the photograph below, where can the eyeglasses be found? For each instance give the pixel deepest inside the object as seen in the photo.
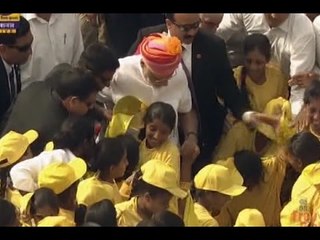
(187, 27)
(21, 48)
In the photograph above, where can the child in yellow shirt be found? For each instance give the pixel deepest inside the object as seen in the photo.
(14, 147)
(102, 213)
(151, 193)
(110, 162)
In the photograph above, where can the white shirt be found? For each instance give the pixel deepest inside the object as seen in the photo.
(316, 26)
(24, 175)
(129, 80)
(8, 70)
(293, 44)
(57, 41)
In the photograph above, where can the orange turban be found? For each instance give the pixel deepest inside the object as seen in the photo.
(161, 53)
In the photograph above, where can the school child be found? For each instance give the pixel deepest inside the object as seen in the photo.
(259, 82)
(38, 205)
(109, 162)
(214, 186)
(162, 219)
(14, 147)
(266, 179)
(264, 139)
(75, 139)
(102, 213)
(9, 216)
(63, 179)
(250, 218)
(151, 193)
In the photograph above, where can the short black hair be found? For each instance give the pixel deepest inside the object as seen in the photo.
(169, 16)
(257, 41)
(54, 76)
(99, 58)
(43, 197)
(167, 219)
(8, 214)
(76, 82)
(102, 213)
(162, 111)
(312, 91)
(22, 30)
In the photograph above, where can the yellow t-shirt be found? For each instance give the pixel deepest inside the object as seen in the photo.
(69, 215)
(204, 217)
(13, 196)
(304, 207)
(55, 221)
(265, 197)
(238, 138)
(127, 214)
(168, 152)
(259, 95)
(93, 190)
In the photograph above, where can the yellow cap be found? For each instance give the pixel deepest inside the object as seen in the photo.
(161, 175)
(214, 177)
(55, 221)
(250, 217)
(127, 113)
(49, 146)
(60, 176)
(25, 204)
(275, 107)
(13, 145)
(91, 191)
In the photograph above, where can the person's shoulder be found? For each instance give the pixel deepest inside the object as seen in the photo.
(302, 24)
(208, 36)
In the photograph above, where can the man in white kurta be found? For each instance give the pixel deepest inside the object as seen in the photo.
(293, 44)
(57, 39)
(130, 80)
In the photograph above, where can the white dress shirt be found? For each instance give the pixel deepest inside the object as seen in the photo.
(293, 44)
(57, 41)
(129, 80)
(24, 175)
(316, 26)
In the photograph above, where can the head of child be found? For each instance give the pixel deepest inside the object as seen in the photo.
(14, 147)
(162, 219)
(102, 213)
(63, 179)
(110, 159)
(302, 150)
(160, 120)
(257, 52)
(40, 204)
(250, 166)
(215, 185)
(77, 135)
(9, 216)
(156, 186)
(312, 101)
(132, 146)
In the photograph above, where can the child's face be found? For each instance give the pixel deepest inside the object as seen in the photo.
(314, 113)
(156, 133)
(255, 63)
(157, 203)
(217, 200)
(45, 211)
(118, 170)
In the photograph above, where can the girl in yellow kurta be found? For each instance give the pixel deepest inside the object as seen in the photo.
(267, 180)
(110, 162)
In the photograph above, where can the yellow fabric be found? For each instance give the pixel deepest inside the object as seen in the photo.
(304, 207)
(259, 95)
(250, 218)
(127, 215)
(204, 217)
(69, 215)
(161, 175)
(56, 221)
(240, 137)
(93, 190)
(190, 218)
(13, 145)
(13, 196)
(60, 176)
(217, 178)
(49, 146)
(265, 197)
(125, 190)
(168, 153)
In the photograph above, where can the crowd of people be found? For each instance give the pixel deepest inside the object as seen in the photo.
(201, 120)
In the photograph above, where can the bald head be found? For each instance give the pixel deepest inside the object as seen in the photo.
(211, 21)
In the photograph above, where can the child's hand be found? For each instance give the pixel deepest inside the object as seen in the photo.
(189, 150)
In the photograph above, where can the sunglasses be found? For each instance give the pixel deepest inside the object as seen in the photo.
(187, 27)
(21, 48)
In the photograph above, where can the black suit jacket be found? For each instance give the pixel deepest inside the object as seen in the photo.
(5, 98)
(212, 77)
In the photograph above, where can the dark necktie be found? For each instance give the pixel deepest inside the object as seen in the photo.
(12, 84)
(18, 77)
